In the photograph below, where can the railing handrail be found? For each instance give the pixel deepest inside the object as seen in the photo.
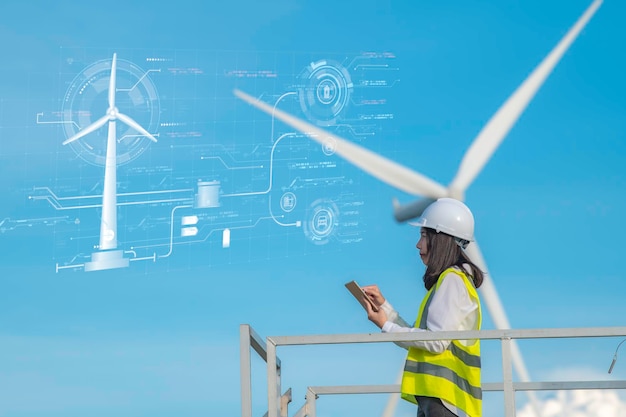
(277, 404)
(543, 333)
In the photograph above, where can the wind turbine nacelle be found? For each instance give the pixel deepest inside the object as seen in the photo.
(405, 212)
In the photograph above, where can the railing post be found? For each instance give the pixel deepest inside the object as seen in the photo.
(311, 396)
(507, 378)
(273, 380)
(245, 370)
(285, 399)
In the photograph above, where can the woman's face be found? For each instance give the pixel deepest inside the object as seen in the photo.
(422, 246)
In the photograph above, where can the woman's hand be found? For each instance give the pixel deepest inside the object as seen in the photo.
(374, 293)
(377, 317)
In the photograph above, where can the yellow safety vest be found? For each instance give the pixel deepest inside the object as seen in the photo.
(453, 375)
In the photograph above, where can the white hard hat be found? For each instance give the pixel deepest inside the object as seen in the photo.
(449, 216)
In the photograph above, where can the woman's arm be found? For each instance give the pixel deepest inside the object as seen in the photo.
(394, 319)
(449, 310)
(393, 316)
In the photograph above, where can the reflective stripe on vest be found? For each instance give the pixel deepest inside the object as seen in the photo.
(443, 372)
(453, 375)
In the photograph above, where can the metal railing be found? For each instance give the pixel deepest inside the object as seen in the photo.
(278, 403)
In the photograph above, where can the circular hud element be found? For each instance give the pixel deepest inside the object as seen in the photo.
(324, 91)
(86, 101)
(322, 220)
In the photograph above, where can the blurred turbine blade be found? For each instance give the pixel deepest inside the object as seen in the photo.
(376, 165)
(112, 82)
(392, 402)
(92, 127)
(503, 120)
(500, 320)
(134, 125)
(412, 210)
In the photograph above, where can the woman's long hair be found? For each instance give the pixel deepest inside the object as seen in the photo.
(443, 252)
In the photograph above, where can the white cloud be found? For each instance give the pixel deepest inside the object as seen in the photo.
(578, 403)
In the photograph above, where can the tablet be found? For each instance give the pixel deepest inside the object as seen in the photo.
(361, 297)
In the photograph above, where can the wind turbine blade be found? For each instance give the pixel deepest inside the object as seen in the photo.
(496, 310)
(92, 127)
(112, 82)
(412, 210)
(503, 120)
(133, 124)
(497, 314)
(376, 165)
(392, 402)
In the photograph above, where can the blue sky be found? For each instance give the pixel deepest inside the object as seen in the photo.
(161, 338)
